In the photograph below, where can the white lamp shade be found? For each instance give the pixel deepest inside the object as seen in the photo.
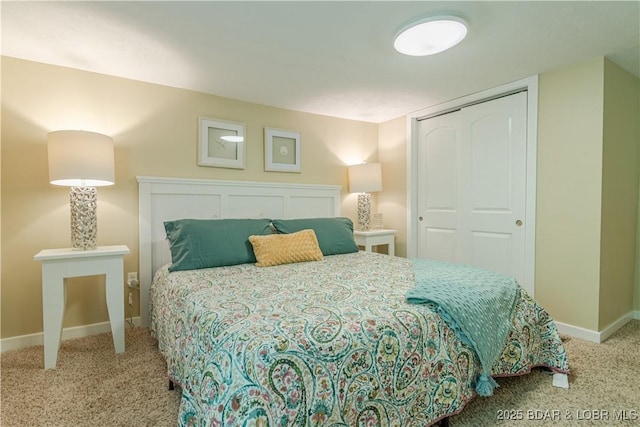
(80, 159)
(365, 178)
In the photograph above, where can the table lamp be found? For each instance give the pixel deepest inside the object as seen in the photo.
(364, 179)
(83, 161)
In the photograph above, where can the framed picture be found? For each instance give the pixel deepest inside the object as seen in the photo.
(221, 143)
(281, 150)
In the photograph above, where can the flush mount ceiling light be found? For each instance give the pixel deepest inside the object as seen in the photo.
(430, 35)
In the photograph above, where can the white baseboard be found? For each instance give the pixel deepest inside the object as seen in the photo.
(593, 336)
(23, 341)
(612, 328)
(577, 332)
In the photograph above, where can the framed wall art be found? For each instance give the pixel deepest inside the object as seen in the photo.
(221, 143)
(281, 150)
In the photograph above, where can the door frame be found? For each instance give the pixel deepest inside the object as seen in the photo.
(529, 84)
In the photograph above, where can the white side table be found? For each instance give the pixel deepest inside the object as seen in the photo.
(59, 264)
(371, 238)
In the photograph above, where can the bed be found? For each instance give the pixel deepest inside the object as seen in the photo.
(329, 340)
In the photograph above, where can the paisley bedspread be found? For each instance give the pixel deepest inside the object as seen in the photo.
(325, 343)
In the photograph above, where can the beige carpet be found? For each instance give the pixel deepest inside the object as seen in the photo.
(604, 377)
(91, 385)
(94, 387)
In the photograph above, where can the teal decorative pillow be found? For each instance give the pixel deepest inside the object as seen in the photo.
(335, 235)
(203, 243)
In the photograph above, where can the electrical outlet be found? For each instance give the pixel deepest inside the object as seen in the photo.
(132, 278)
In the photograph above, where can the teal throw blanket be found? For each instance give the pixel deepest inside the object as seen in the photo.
(478, 304)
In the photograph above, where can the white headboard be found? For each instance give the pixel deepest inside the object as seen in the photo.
(164, 199)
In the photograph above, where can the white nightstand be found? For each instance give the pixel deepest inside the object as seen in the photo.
(57, 265)
(371, 238)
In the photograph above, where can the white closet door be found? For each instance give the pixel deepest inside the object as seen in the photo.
(472, 186)
(438, 193)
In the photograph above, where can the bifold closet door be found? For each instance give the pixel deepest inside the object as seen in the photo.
(472, 185)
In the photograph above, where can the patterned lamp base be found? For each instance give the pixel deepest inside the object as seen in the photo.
(84, 222)
(364, 211)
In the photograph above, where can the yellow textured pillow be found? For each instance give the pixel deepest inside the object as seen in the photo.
(276, 249)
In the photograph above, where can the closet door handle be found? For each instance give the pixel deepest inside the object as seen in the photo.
(519, 222)
(420, 218)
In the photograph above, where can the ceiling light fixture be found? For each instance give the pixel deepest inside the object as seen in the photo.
(430, 35)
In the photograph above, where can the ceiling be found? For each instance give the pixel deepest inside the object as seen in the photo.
(334, 58)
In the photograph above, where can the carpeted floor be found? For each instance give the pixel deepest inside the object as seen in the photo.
(604, 377)
(92, 386)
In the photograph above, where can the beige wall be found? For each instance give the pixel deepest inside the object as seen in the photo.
(392, 201)
(569, 187)
(588, 139)
(155, 133)
(636, 296)
(621, 139)
(637, 290)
